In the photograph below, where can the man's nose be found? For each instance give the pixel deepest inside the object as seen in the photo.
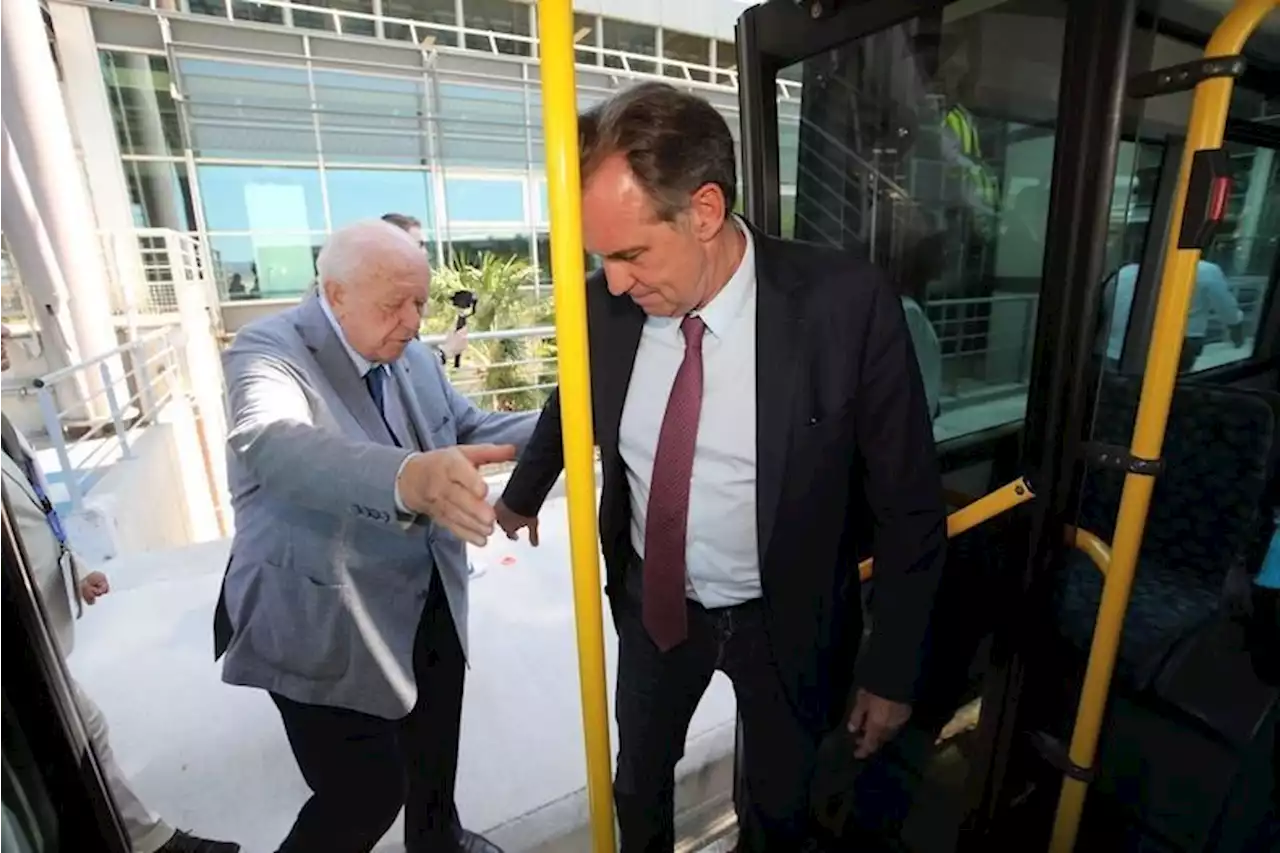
(620, 280)
(411, 317)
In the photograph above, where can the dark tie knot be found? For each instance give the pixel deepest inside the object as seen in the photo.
(692, 328)
(373, 379)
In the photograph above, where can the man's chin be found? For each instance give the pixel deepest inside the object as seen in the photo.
(395, 350)
(656, 307)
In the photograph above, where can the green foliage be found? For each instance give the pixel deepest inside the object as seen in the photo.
(490, 368)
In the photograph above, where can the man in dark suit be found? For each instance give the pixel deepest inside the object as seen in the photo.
(761, 421)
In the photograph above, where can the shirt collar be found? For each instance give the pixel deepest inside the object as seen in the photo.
(362, 364)
(726, 306)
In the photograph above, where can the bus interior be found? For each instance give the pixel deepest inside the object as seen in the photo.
(1018, 150)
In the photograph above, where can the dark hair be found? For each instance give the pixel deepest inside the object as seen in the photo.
(674, 143)
(402, 220)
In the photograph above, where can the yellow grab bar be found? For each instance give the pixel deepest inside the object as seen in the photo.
(1094, 548)
(564, 192)
(970, 516)
(1204, 132)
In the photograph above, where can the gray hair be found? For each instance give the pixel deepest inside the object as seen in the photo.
(353, 249)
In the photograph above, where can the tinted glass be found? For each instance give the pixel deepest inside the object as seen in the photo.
(928, 152)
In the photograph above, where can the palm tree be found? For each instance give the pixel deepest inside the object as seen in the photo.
(497, 366)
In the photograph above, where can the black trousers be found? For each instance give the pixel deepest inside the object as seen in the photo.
(656, 697)
(361, 769)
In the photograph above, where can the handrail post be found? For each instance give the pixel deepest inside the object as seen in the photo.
(53, 428)
(140, 359)
(564, 191)
(117, 416)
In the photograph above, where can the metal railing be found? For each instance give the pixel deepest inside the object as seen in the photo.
(432, 35)
(135, 381)
(147, 265)
(533, 373)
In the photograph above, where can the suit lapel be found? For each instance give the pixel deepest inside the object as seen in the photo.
(779, 338)
(14, 447)
(403, 374)
(614, 356)
(19, 453)
(335, 363)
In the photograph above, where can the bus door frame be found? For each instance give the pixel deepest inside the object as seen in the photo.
(1096, 46)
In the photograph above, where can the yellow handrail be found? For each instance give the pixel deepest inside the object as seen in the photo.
(1094, 547)
(564, 192)
(1204, 132)
(971, 515)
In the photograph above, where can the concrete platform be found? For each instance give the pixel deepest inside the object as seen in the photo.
(213, 758)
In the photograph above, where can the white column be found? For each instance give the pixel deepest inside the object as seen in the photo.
(37, 264)
(90, 112)
(36, 123)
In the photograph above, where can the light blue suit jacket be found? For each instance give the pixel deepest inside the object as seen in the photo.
(327, 581)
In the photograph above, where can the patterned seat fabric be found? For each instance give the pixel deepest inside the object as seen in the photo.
(1203, 518)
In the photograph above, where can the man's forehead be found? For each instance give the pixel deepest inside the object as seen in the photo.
(618, 219)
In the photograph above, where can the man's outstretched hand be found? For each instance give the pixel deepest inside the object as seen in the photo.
(874, 722)
(511, 523)
(446, 486)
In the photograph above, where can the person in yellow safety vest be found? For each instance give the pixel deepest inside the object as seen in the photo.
(964, 149)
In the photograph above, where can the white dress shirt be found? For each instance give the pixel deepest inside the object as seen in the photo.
(393, 405)
(722, 549)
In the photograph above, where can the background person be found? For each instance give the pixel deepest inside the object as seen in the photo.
(59, 576)
(1212, 298)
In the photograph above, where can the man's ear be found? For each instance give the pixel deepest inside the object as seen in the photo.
(333, 293)
(707, 211)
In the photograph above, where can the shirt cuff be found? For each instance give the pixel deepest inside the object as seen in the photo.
(400, 507)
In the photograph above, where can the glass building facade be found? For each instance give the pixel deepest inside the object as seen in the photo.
(263, 156)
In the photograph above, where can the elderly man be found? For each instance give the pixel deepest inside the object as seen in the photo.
(353, 471)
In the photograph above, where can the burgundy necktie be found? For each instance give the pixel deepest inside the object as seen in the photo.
(667, 519)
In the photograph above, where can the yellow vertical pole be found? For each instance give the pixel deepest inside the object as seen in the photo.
(1205, 129)
(564, 192)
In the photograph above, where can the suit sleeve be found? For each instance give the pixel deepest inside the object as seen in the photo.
(478, 426)
(540, 463)
(272, 433)
(904, 492)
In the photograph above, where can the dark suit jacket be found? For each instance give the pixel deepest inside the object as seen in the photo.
(845, 468)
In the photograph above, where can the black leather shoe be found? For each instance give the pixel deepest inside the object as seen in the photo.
(471, 842)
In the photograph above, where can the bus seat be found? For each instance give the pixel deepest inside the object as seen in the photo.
(1218, 455)
(1186, 711)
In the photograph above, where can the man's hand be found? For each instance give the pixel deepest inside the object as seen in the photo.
(454, 343)
(511, 523)
(92, 586)
(446, 486)
(875, 721)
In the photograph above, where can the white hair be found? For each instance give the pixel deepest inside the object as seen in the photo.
(354, 250)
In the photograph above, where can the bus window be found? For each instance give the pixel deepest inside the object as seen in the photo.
(1233, 279)
(924, 149)
(1246, 253)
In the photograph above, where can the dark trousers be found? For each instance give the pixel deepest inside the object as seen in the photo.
(657, 695)
(361, 769)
